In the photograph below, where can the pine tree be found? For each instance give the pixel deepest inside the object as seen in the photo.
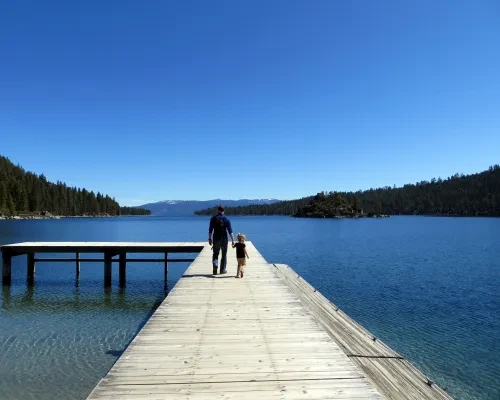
(21, 201)
(3, 196)
(11, 205)
(355, 204)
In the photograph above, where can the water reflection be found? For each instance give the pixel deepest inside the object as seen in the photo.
(108, 298)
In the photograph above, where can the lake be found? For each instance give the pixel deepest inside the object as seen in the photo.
(428, 287)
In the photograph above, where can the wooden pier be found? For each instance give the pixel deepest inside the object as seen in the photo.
(270, 335)
(108, 249)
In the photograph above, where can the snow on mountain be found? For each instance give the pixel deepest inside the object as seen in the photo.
(188, 207)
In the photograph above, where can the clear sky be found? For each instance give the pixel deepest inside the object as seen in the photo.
(152, 100)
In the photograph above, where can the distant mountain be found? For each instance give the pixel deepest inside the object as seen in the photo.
(178, 208)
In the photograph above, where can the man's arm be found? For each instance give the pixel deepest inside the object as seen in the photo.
(210, 230)
(230, 229)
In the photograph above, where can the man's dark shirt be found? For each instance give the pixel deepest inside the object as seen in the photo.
(240, 250)
(217, 234)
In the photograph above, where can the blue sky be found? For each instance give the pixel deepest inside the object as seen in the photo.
(160, 100)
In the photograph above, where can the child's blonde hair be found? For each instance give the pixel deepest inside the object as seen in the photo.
(241, 236)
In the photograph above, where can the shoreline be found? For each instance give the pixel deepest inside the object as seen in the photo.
(44, 216)
(357, 216)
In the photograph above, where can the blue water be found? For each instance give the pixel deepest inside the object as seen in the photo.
(429, 287)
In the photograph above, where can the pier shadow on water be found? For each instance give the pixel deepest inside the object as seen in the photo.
(115, 353)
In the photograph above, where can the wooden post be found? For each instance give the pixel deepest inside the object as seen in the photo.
(30, 259)
(108, 269)
(166, 273)
(123, 269)
(7, 268)
(77, 266)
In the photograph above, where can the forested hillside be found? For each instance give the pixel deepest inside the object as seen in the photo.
(188, 207)
(288, 207)
(134, 211)
(459, 195)
(25, 192)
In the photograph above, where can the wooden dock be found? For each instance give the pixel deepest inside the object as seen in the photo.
(108, 249)
(270, 335)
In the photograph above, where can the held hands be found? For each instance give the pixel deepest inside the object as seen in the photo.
(233, 245)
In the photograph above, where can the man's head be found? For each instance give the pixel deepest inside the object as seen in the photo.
(220, 209)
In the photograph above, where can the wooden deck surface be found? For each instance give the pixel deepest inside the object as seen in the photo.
(98, 247)
(226, 338)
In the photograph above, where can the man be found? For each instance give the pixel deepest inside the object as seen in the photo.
(220, 226)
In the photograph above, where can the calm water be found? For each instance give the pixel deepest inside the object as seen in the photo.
(429, 287)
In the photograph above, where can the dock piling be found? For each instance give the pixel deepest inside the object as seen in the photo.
(123, 269)
(6, 268)
(108, 269)
(30, 259)
(77, 265)
(165, 277)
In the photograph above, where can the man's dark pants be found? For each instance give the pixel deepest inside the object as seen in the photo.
(220, 245)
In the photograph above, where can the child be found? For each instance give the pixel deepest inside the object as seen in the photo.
(241, 252)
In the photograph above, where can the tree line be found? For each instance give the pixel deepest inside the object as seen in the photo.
(25, 192)
(459, 195)
(286, 207)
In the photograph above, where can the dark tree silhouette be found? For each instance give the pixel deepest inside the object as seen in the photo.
(25, 192)
(459, 195)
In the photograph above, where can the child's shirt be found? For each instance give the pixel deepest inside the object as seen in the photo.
(240, 250)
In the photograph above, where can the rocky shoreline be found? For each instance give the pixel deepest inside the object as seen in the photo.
(48, 215)
(348, 216)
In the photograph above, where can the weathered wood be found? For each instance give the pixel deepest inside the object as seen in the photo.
(123, 269)
(101, 247)
(109, 249)
(6, 268)
(133, 260)
(108, 269)
(30, 263)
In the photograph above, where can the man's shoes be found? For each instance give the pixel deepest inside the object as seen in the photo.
(215, 264)
(223, 272)
(214, 272)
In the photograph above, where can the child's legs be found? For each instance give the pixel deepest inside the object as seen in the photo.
(241, 265)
